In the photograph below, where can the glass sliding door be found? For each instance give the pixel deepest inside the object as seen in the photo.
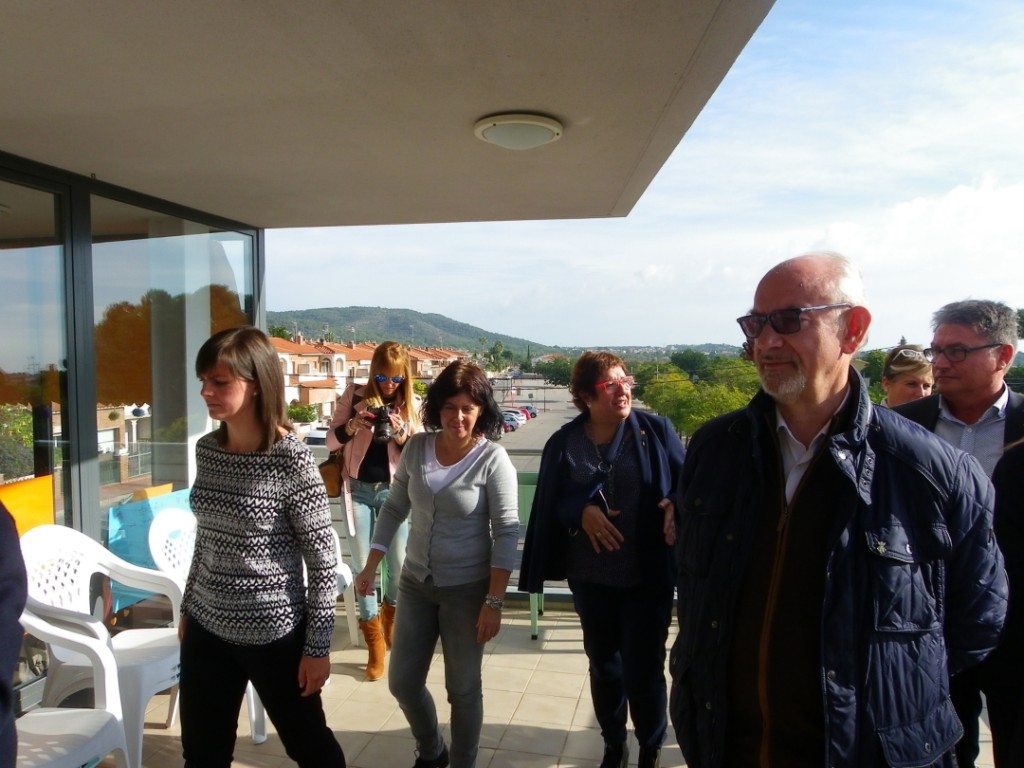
(161, 286)
(33, 356)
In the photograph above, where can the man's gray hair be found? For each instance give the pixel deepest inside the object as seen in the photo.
(840, 282)
(992, 320)
(849, 283)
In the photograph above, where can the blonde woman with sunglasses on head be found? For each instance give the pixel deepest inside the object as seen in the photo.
(372, 422)
(906, 375)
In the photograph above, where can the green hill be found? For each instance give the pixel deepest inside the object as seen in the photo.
(404, 325)
(432, 330)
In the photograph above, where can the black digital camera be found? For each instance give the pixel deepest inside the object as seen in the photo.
(382, 431)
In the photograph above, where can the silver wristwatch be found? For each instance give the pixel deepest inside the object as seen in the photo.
(493, 601)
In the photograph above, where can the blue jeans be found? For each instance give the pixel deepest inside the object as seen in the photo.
(367, 499)
(624, 635)
(448, 613)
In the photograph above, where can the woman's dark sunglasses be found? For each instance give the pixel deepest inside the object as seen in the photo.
(380, 378)
(784, 321)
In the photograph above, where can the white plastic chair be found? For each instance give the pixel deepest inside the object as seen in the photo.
(60, 563)
(346, 588)
(172, 542)
(68, 737)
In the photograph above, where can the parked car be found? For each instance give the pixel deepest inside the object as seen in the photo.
(516, 414)
(510, 420)
(316, 439)
(316, 436)
(526, 412)
(531, 409)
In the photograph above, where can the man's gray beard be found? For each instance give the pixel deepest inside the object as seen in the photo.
(786, 391)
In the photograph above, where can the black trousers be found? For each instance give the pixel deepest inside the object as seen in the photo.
(214, 675)
(1004, 699)
(624, 635)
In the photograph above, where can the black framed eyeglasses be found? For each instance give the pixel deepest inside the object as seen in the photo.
(784, 321)
(380, 378)
(955, 353)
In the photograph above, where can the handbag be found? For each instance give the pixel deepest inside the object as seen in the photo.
(330, 471)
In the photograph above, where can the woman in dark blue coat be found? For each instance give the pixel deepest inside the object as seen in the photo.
(604, 518)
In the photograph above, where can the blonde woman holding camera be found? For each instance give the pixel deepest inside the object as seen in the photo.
(372, 422)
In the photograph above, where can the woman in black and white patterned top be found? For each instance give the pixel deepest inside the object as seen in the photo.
(262, 512)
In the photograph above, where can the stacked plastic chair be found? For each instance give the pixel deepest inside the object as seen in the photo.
(60, 563)
(69, 737)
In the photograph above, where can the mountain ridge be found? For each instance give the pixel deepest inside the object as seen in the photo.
(421, 329)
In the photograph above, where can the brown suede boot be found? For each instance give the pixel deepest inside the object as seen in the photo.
(375, 642)
(387, 621)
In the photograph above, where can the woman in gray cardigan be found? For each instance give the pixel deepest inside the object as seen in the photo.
(458, 489)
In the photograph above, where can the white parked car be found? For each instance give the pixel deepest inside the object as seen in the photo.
(316, 439)
(519, 416)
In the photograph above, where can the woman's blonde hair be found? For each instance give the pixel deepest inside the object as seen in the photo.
(906, 358)
(393, 358)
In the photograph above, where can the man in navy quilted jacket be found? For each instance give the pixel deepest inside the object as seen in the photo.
(836, 562)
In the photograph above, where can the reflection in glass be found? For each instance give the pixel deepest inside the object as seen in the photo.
(32, 355)
(161, 286)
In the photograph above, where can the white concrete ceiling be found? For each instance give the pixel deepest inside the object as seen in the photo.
(289, 113)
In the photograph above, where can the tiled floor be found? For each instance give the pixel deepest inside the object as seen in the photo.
(537, 711)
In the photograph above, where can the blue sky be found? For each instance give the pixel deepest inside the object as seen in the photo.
(891, 132)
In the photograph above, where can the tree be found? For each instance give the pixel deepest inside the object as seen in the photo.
(15, 442)
(689, 405)
(691, 361)
(279, 332)
(709, 387)
(874, 364)
(1015, 378)
(736, 372)
(495, 352)
(647, 374)
(1020, 323)
(556, 371)
(302, 413)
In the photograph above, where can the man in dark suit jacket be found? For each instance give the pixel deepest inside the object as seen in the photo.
(973, 346)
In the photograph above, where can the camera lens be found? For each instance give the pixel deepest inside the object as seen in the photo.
(382, 424)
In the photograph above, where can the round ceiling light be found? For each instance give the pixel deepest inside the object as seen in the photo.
(518, 131)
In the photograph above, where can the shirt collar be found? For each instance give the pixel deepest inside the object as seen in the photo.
(995, 411)
(784, 431)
